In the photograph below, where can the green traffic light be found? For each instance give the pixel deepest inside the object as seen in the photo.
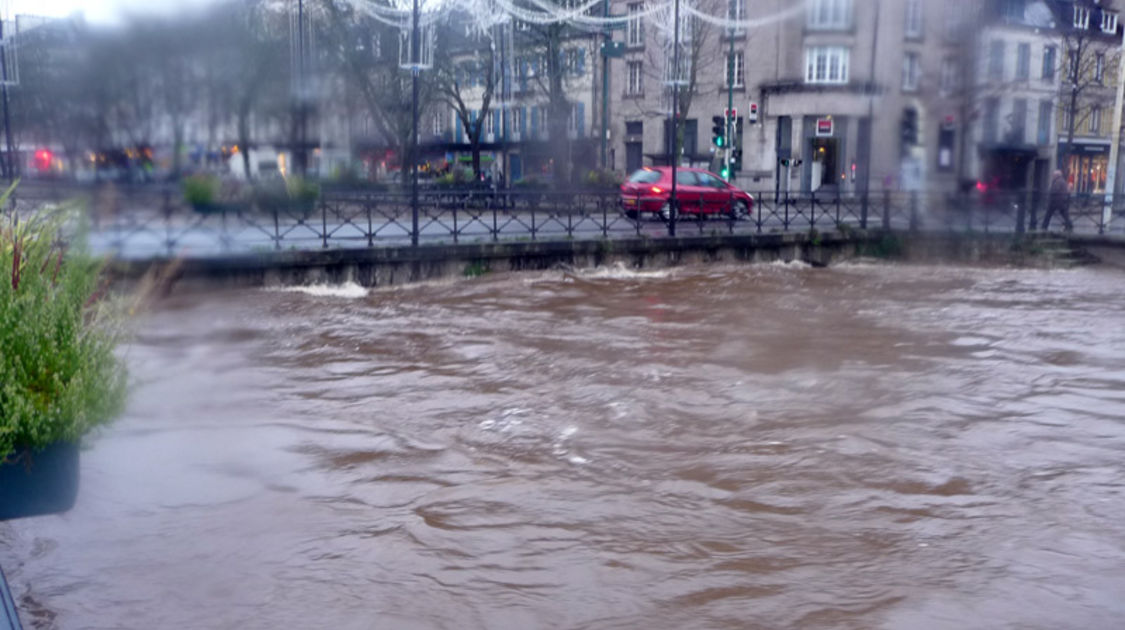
(725, 173)
(719, 141)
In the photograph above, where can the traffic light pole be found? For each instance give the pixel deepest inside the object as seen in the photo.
(730, 108)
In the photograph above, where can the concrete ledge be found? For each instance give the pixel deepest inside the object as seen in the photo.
(399, 265)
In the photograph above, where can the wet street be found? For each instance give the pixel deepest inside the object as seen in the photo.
(767, 446)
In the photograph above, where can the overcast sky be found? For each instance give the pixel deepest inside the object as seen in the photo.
(102, 11)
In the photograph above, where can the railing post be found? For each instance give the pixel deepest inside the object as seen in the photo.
(495, 224)
(276, 230)
(370, 226)
(1021, 213)
(456, 228)
(914, 211)
(864, 203)
(785, 220)
(637, 214)
(733, 212)
(532, 204)
(605, 216)
(757, 210)
(886, 210)
(324, 223)
(812, 211)
(837, 209)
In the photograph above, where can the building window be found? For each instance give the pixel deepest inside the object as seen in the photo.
(438, 126)
(1099, 67)
(1045, 108)
(735, 65)
(634, 128)
(996, 60)
(1109, 21)
(1050, 58)
(948, 76)
(636, 85)
(1095, 119)
(1012, 10)
(991, 112)
(911, 72)
(1023, 62)
(830, 14)
(1066, 119)
(914, 18)
(736, 12)
(826, 64)
(635, 30)
(1017, 131)
(1072, 66)
(1081, 17)
(517, 120)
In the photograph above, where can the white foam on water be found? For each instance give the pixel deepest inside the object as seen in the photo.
(618, 271)
(347, 290)
(790, 264)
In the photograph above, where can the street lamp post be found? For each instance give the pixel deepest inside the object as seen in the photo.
(415, 65)
(1115, 143)
(673, 206)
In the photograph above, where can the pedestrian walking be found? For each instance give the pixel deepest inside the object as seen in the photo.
(1058, 200)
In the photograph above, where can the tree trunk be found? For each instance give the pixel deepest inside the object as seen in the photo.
(177, 148)
(244, 140)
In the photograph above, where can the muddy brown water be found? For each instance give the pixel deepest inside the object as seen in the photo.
(715, 447)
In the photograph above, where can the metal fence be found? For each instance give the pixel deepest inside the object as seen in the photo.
(146, 222)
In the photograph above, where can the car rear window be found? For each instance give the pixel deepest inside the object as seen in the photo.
(645, 176)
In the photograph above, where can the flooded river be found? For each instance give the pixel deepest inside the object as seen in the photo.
(712, 447)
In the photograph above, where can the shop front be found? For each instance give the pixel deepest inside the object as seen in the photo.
(1085, 166)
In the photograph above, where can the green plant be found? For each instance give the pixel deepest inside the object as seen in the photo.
(59, 376)
(200, 190)
(596, 178)
(302, 190)
(475, 269)
(888, 246)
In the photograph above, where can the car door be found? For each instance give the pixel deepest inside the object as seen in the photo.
(716, 193)
(688, 192)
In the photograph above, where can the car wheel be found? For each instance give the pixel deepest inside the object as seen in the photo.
(666, 212)
(740, 211)
(631, 214)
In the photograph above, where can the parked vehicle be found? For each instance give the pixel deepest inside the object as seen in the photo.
(699, 193)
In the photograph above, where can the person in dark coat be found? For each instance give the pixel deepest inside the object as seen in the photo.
(1058, 200)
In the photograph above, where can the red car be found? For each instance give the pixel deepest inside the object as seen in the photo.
(699, 192)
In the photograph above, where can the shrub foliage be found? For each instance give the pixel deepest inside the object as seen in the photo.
(59, 376)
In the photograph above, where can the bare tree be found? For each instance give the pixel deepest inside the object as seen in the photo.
(701, 56)
(366, 58)
(1085, 61)
(461, 73)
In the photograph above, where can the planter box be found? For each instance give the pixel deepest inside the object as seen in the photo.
(43, 482)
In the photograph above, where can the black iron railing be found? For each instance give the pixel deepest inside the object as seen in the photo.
(145, 222)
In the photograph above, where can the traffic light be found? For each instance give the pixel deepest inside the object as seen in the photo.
(909, 128)
(718, 131)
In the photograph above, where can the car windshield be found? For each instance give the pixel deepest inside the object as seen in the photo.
(645, 176)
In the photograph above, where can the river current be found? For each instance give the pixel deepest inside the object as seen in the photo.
(766, 446)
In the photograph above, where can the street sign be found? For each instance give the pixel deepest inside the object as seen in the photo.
(824, 127)
(753, 113)
(731, 114)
